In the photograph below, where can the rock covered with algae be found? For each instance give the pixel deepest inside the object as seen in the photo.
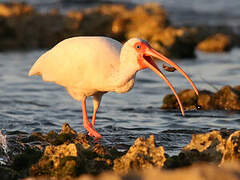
(23, 27)
(227, 98)
(215, 43)
(217, 147)
(79, 155)
(209, 147)
(143, 154)
(71, 155)
(68, 155)
(15, 9)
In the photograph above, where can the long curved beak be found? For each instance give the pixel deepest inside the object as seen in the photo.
(151, 65)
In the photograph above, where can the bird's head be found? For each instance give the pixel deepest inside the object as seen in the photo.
(141, 53)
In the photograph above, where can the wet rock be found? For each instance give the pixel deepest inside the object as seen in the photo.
(67, 134)
(113, 9)
(217, 147)
(205, 100)
(206, 31)
(58, 161)
(72, 154)
(237, 88)
(26, 32)
(216, 43)
(23, 161)
(227, 98)
(18, 154)
(72, 160)
(37, 30)
(232, 151)
(208, 147)
(66, 129)
(79, 154)
(22, 27)
(175, 42)
(8, 174)
(94, 23)
(15, 9)
(187, 97)
(77, 15)
(119, 22)
(143, 154)
(146, 20)
(175, 162)
(141, 21)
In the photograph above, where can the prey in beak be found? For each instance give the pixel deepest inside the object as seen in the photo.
(168, 68)
(145, 54)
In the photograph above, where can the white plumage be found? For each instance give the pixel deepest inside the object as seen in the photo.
(92, 66)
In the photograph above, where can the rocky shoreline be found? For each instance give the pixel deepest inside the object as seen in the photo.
(72, 155)
(227, 98)
(22, 27)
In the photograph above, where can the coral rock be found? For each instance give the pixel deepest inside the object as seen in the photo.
(55, 153)
(59, 161)
(219, 147)
(227, 98)
(142, 155)
(175, 42)
(205, 147)
(216, 43)
(66, 129)
(232, 151)
(14, 9)
(187, 97)
(145, 20)
(205, 100)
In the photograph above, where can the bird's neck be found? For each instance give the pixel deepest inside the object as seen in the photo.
(124, 76)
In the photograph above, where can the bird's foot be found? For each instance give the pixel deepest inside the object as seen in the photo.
(91, 131)
(94, 133)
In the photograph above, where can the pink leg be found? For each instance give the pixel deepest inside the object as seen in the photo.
(94, 117)
(96, 103)
(86, 124)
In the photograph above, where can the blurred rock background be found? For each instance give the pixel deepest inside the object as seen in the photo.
(44, 24)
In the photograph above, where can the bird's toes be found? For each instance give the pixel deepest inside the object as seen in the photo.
(90, 134)
(98, 136)
(95, 134)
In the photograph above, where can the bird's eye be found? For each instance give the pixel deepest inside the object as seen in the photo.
(138, 46)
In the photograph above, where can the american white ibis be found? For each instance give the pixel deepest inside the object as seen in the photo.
(93, 66)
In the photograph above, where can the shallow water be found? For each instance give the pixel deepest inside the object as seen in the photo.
(28, 104)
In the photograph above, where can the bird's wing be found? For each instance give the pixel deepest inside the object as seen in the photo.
(78, 60)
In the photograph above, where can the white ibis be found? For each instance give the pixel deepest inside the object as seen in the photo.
(93, 66)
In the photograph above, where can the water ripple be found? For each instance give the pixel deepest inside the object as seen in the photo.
(28, 104)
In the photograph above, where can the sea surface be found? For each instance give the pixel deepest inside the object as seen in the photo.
(27, 104)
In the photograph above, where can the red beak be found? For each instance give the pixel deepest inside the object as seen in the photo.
(151, 65)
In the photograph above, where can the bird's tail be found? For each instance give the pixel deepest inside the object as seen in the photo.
(34, 70)
(36, 67)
